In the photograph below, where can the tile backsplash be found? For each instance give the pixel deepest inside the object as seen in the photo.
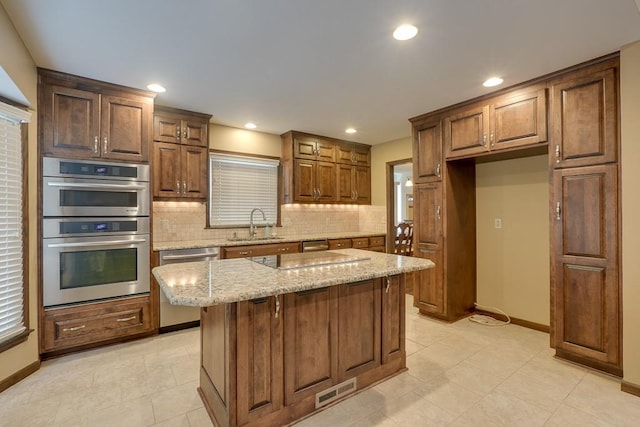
(177, 221)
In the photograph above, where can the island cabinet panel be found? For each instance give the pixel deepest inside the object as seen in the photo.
(311, 344)
(260, 370)
(359, 328)
(393, 318)
(584, 111)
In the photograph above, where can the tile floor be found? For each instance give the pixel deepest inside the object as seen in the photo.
(459, 374)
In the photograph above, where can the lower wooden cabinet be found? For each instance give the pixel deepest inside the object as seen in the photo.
(393, 318)
(70, 327)
(260, 250)
(585, 283)
(373, 243)
(428, 286)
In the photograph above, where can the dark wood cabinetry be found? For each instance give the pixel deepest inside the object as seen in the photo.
(372, 243)
(83, 119)
(180, 154)
(514, 119)
(93, 324)
(393, 318)
(317, 169)
(580, 131)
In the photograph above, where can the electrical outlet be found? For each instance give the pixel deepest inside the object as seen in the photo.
(498, 223)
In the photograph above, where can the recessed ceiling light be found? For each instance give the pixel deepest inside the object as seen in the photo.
(493, 81)
(250, 125)
(405, 32)
(351, 130)
(155, 87)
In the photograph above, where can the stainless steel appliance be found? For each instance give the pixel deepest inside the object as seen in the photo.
(173, 317)
(74, 188)
(86, 259)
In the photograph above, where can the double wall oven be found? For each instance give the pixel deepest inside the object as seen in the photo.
(96, 240)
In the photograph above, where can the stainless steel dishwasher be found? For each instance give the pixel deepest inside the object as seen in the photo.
(175, 317)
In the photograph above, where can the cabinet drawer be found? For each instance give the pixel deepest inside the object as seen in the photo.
(360, 243)
(260, 250)
(75, 326)
(376, 241)
(339, 244)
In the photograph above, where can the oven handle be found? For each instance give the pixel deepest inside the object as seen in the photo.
(110, 242)
(90, 185)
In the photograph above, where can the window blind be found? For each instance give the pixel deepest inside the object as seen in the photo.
(11, 265)
(238, 185)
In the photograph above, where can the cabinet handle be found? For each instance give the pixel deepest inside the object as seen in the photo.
(356, 198)
(178, 188)
(184, 188)
(104, 143)
(277, 313)
(178, 133)
(386, 291)
(484, 140)
(557, 153)
(95, 144)
(283, 249)
(558, 211)
(438, 170)
(244, 252)
(491, 137)
(339, 245)
(125, 319)
(438, 209)
(186, 133)
(354, 158)
(75, 328)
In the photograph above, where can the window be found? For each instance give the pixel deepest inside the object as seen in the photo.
(238, 185)
(13, 288)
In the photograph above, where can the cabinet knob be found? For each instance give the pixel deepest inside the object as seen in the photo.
(438, 212)
(491, 137)
(484, 140)
(95, 144)
(557, 153)
(558, 211)
(184, 188)
(438, 167)
(277, 313)
(178, 188)
(104, 143)
(178, 133)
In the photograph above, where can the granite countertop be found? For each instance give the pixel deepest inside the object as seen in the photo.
(202, 284)
(211, 243)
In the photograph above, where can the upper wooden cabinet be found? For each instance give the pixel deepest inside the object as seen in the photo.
(584, 111)
(180, 154)
(324, 170)
(427, 152)
(508, 121)
(84, 119)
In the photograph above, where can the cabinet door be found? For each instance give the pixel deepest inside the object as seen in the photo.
(362, 184)
(585, 282)
(166, 128)
(466, 132)
(71, 122)
(304, 173)
(311, 344)
(359, 331)
(427, 153)
(346, 191)
(344, 154)
(393, 312)
(519, 119)
(259, 359)
(325, 151)
(428, 285)
(584, 115)
(166, 170)
(125, 128)
(429, 213)
(362, 155)
(305, 147)
(195, 132)
(326, 182)
(194, 172)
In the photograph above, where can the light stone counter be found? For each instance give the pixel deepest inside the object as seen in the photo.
(203, 284)
(212, 243)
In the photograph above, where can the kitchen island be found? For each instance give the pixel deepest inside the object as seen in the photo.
(283, 336)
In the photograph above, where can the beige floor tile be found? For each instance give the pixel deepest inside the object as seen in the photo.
(376, 418)
(411, 410)
(133, 413)
(498, 409)
(566, 416)
(448, 395)
(412, 347)
(175, 401)
(199, 418)
(473, 378)
(180, 421)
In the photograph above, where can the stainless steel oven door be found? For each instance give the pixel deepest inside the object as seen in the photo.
(94, 197)
(79, 269)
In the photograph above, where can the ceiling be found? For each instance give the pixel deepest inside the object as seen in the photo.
(319, 66)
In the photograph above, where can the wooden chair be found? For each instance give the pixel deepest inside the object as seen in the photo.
(403, 244)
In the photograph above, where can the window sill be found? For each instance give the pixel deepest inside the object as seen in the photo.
(14, 341)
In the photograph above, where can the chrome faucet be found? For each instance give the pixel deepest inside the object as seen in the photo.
(252, 228)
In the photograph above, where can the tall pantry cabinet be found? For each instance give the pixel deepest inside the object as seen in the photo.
(585, 232)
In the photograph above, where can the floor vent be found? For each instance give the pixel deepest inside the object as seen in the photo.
(335, 392)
